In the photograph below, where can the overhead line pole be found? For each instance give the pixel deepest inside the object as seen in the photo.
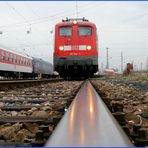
(147, 64)
(121, 61)
(107, 59)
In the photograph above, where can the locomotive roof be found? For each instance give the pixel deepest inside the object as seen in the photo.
(15, 52)
(67, 23)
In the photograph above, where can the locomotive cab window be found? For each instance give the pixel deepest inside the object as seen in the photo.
(65, 31)
(84, 31)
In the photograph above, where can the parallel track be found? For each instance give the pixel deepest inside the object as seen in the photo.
(4, 85)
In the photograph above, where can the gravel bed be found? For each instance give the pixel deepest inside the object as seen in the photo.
(141, 85)
(47, 101)
(124, 97)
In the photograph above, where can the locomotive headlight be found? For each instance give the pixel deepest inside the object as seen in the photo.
(88, 47)
(74, 22)
(61, 48)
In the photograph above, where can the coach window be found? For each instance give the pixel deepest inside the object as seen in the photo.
(21, 60)
(65, 31)
(3, 55)
(14, 58)
(25, 61)
(10, 57)
(84, 31)
(18, 60)
(7, 56)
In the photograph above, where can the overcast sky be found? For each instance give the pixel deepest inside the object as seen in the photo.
(121, 27)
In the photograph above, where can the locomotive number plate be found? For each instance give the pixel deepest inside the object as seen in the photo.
(75, 47)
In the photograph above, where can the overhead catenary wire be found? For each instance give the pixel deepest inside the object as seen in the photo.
(42, 36)
(42, 19)
(59, 15)
(24, 18)
(15, 10)
(56, 15)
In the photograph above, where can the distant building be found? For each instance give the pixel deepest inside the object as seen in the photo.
(109, 72)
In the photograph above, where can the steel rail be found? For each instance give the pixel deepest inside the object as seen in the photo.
(88, 122)
(24, 83)
(28, 81)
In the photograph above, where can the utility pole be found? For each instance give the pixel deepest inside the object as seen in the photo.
(141, 66)
(121, 61)
(107, 59)
(147, 64)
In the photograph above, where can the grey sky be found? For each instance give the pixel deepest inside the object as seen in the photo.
(122, 26)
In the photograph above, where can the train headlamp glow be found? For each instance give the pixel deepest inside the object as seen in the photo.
(74, 22)
(61, 48)
(88, 47)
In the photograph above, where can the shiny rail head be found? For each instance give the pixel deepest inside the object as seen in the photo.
(88, 122)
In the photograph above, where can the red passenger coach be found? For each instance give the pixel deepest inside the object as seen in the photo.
(75, 52)
(12, 63)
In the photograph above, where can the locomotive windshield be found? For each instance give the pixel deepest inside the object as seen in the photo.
(65, 31)
(84, 31)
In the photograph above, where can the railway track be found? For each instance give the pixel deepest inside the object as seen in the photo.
(14, 84)
(88, 122)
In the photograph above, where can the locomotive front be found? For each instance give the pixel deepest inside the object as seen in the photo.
(75, 52)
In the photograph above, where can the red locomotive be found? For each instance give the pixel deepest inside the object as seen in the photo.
(76, 50)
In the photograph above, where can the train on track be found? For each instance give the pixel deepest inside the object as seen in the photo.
(17, 65)
(76, 48)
